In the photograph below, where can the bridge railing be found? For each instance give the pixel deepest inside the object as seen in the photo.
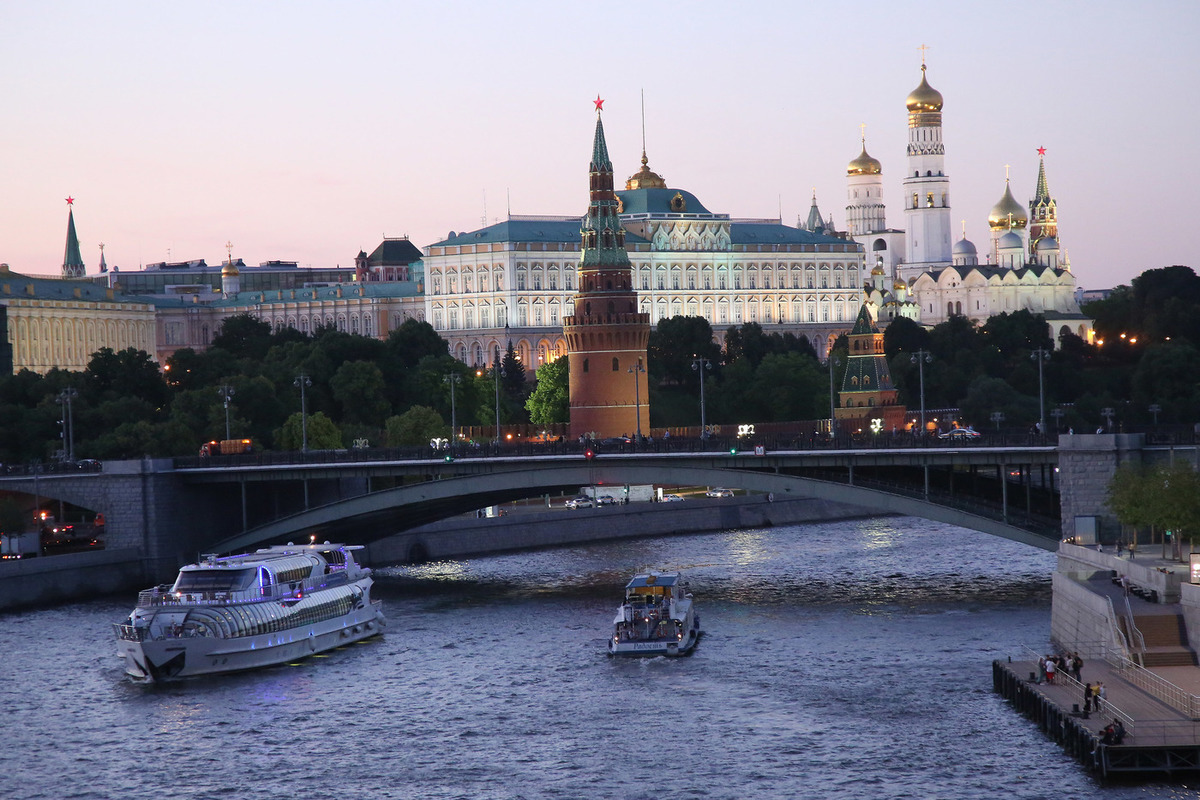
(619, 445)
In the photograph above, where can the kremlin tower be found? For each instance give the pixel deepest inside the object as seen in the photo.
(72, 260)
(606, 335)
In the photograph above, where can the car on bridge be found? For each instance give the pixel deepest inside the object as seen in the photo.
(960, 434)
(606, 500)
(583, 501)
(672, 498)
(719, 492)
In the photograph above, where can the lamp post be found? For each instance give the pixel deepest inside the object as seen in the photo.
(921, 358)
(1058, 415)
(833, 362)
(700, 364)
(68, 422)
(452, 379)
(637, 397)
(497, 373)
(303, 381)
(1108, 414)
(226, 394)
(997, 417)
(1041, 356)
(1154, 409)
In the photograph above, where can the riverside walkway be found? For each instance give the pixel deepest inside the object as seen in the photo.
(1158, 705)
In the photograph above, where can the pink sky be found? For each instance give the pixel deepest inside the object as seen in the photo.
(307, 131)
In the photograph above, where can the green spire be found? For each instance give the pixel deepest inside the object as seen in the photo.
(72, 260)
(814, 223)
(864, 324)
(1043, 193)
(600, 162)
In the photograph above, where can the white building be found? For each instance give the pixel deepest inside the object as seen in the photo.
(513, 281)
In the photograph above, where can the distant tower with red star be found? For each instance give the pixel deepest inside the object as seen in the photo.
(72, 260)
(1043, 211)
(606, 335)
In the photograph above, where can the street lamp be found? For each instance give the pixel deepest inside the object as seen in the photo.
(700, 364)
(637, 397)
(1108, 414)
(1154, 409)
(833, 362)
(452, 379)
(921, 358)
(1041, 355)
(997, 417)
(303, 381)
(1058, 414)
(226, 394)
(497, 373)
(68, 422)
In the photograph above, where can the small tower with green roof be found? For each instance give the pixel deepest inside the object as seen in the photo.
(867, 392)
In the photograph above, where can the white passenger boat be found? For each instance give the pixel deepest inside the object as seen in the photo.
(240, 612)
(657, 618)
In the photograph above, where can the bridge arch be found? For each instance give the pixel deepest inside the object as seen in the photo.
(378, 515)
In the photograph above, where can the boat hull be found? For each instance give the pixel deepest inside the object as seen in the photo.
(177, 658)
(657, 647)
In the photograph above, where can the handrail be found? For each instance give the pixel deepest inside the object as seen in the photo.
(1069, 681)
(1119, 637)
(1137, 634)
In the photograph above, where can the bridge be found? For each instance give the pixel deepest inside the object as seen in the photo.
(1028, 491)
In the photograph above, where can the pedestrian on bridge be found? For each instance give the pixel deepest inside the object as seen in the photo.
(1087, 698)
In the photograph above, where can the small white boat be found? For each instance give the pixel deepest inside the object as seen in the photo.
(657, 618)
(241, 612)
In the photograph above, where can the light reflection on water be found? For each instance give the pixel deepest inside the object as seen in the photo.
(848, 660)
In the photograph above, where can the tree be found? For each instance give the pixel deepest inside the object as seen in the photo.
(551, 400)
(1020, 331)
(674, 345)
(243, 335)
(358, 387)
(131, 372)
(323, 434)
(514, 372)
(904, 335)
(415, 340)
(415, 427)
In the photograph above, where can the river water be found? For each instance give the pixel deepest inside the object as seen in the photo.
(839, 660)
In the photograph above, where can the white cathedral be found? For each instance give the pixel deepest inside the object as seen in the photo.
(933, 278)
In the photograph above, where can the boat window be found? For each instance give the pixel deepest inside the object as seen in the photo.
(214, 580)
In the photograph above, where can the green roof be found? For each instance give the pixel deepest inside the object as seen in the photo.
(658, 201)
(394, 252)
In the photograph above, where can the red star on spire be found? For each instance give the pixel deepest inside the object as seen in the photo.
(1041, 151)
(70, 201)
(599, 103)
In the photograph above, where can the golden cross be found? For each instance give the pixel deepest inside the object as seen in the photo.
(863, 129)
(1006, 172)
(964, 228)
(229, 251)
(923, 48)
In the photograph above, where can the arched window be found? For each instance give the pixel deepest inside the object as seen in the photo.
(616, 365)
(949, 309)
(585, 365)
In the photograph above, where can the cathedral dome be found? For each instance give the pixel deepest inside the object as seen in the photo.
(964, 247)
(645, 178)
(864, 165)
(230, 270)
(878, 269)
(924, 97)
(900, 286)
(998, 217)
(1047, 244)
(1009, 241)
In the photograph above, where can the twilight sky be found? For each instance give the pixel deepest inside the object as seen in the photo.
(305, 131)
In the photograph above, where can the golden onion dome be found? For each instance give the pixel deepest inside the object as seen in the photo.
(899, 286)
(924, 97)
(230, 270)
(645, 178)
(864, 164)
(878, 270)
(998, 218)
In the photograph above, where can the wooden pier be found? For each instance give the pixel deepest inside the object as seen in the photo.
(1161, 740)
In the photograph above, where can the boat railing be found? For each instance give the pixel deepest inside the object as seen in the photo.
(162, 596)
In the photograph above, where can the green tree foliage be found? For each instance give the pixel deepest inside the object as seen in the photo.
(323, 434)
(359, 389)
(416, 426)
(131, 372)
(243, 336)
(413, 341)
(550, 401)
(514, 372)
(1163, 498)
(674, 345)
(1019, 332)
